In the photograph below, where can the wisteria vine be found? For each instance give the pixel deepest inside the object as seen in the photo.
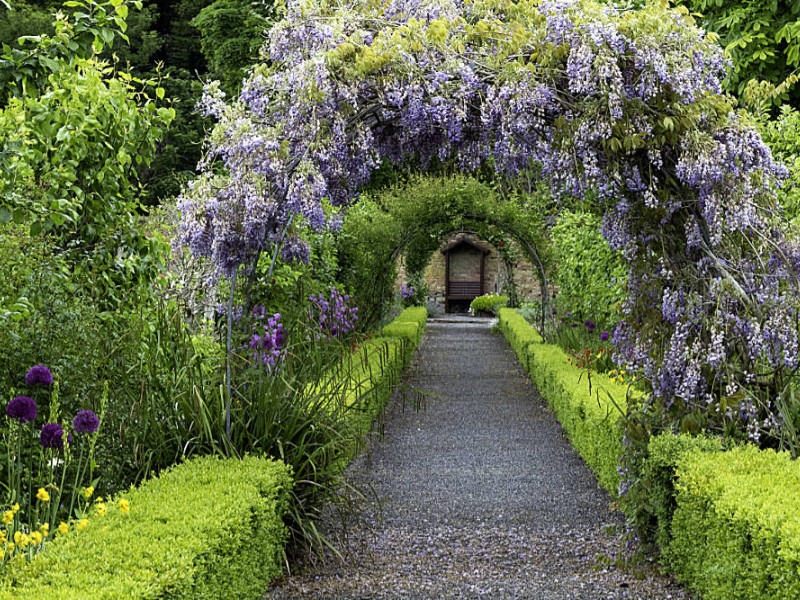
(624, 103)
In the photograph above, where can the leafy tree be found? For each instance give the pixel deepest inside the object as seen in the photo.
(762, 38)
(72, 132)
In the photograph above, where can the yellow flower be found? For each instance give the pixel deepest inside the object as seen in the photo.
(63, 527)
(45, 529)
(599, 355)
(101, 509)
(82, 524)
(634, 378)
(36, 537)
(43, 495)
(8, 517)
(124, 506)
(87, 493)
(15, 508)
(21, 540)
(11, 547)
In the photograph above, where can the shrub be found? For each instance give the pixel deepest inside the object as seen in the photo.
(591, 277)
(208, 528)
(518, 333)
(651, 502)
(736, 528)
(489, 303)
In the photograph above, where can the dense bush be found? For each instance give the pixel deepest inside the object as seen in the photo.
(590, 276)
(735, 529)
(489, 303)
(208, 528)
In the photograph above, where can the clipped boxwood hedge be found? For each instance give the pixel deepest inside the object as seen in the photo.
(582, 404)
(207, 528)
(736, 525)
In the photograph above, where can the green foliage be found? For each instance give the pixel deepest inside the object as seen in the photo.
(588, 407)
(736, 529)
(489, 303)
(591, 277)
(232, 36)
(413, 218)
(71, 135)
(762, 37)
(782, 134)
(650, 502)
(208, 528)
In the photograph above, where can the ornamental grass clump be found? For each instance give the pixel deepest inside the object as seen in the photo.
(49, 471)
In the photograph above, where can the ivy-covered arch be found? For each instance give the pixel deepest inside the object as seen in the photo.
(623, 103)
(412, 219)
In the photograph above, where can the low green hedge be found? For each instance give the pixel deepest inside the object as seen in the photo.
(489, 303)
(665, 453)
(207, 528)
(518, 332)
(583, 404)
(736, 526)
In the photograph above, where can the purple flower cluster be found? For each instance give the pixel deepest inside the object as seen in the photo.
(332, 317)
(267, 340)
(406, 291)
(39, 375)
(86, 421)
(52, 436)
(605, 110)
(22, 409)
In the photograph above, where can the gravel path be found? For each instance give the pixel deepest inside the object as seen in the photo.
(482, 495)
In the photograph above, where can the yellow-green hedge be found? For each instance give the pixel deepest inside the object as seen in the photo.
(582, 404)
(207, 528)
(736, 525)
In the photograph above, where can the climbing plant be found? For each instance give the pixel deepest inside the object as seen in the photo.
(624, 104)
(413, 218)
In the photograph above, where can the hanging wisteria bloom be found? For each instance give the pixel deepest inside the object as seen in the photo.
(86, 421)
(624, 105)
(52, 436)
(332, 317)
(22, 408)
(39, 375)
(267, 340)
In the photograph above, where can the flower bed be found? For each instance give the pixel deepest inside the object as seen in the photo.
(208, 528)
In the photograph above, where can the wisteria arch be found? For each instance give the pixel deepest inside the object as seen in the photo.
(626, 104)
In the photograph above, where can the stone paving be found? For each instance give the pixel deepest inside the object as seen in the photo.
(482, 495)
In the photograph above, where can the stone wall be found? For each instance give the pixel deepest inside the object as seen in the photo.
(495, 279)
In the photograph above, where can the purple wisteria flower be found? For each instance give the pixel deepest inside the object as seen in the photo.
(22, 408)
(334, 318)
(604, 336)
(39, 375)
(86, 422)
(52, 436)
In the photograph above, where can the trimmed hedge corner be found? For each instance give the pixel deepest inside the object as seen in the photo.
(736, 527)
(207, 528)
(582, 404)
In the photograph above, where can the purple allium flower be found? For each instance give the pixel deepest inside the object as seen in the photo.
(52, 436)
(39, 375)
(604, 336)
(589, 325)
(22, 409)
(574, 324)
(569, 314)
(85, 422)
